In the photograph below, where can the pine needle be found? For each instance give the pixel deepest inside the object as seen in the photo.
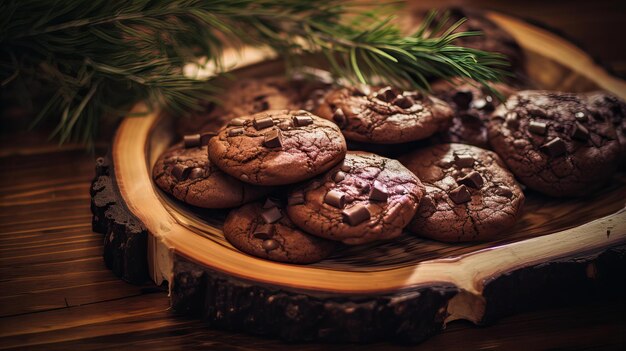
(95, 58)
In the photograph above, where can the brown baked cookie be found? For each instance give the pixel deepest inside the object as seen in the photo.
(384, 116)
(262, 230)
(188, 175)
(363, 199)
(472, 105)
(610, 105)
(277, 147)
(245, 97)
(555, 143)
(470, 195)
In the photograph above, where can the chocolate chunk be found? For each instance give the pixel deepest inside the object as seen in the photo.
(460, 195)
(536, 112)
(271, 215)
(502, 191)
(263, 231)
(270, 202)
(404, 101)
(356, 215)
(192, 140)
(235, 131)
(379, 192)
(554, 148)
(181, 172)
(296, 199)
(335, 198)
(512, 121)
(339, 117)
(236, 122)
(473, 180)
(205, 137)
(538, 128)
(462, 99)
(273, 139)
(346, 168)
(196, 173)
(262, 123)
(580, 132)
(339, 176)
(301, 121)
(581, 117)
(386, 94)
(270, 244)
(463, 161)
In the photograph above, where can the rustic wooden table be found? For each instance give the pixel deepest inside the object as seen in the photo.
(56, 293)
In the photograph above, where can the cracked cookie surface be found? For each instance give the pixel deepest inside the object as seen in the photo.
(277, 147)
(365, 198)
(188, 175)
(556, 143)
(469, 196)
(246, 229)
(614, 107)
(384, 116)
(472, 105)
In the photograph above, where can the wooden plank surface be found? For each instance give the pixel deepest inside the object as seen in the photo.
(56, 293)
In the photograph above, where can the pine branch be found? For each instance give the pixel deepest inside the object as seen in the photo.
(97, 57)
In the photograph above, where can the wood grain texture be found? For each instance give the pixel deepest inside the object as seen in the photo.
(60, 178)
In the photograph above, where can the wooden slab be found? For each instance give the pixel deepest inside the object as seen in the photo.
(404, 290)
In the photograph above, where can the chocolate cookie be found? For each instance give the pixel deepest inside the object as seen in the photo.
(363, 199)
(249, 96)
(384, 116)
(472, 105)
(188, 175)
(277, 147)
(470, 195)
(262, 230)
(555, 143)
(610, 105)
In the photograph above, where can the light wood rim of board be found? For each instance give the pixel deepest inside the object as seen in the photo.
(468, 272)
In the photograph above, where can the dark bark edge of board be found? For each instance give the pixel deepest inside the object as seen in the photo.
(408, 316)
(125, 237)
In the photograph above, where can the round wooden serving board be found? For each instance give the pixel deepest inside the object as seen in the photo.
(403, 290)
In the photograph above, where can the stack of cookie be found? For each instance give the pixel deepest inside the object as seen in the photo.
(291, 159)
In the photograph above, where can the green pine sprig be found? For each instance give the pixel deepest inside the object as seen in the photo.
(95, 58)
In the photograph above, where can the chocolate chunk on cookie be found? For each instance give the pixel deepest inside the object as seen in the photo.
(472, 105)
(470, 195)
(385, 115)
(188, 175)
(363, 199)
(560, 143)
(277, 147)
(268, 233)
